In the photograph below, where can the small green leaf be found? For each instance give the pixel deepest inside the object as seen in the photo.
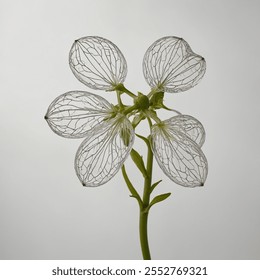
(158, 199)
(154, 185)
(146, 140)
(131, 188)
(138, 160)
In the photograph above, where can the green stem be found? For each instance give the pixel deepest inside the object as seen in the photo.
(144, 236)
(121, 105)
(130, 109)
(122, 88)
(143, 213)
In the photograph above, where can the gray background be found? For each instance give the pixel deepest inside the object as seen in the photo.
(45, 213)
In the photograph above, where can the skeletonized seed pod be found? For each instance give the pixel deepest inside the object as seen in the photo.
(170, 65)
(97, 63)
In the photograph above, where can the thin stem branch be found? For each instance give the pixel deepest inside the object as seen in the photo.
(130, 109)
(122, 88)
(120, 103)
(129, 93)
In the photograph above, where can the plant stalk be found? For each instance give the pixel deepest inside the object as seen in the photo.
(143, 221)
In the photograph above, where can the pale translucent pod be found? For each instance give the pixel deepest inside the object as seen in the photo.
(103, 152)
(74, 113)
(170, 65)
(189, 126)
(97, 63)
(180, 158)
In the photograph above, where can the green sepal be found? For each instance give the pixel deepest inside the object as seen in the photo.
(157, 199)
(119, 87)
(156, 100)
(138, 160)
(154, 185)
(131, 188)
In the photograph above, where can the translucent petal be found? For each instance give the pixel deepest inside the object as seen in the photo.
(97, 63)
(189, 126)
(103, 152)
(170, 65)
(74, 113)
(180, 158)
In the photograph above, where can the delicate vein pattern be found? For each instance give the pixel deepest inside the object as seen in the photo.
(170, 65)
(74, 113)
(180, 158)
(189, 126)
(103, 152)
(97, 63)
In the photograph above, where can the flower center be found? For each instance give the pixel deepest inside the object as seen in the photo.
(142, 102)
